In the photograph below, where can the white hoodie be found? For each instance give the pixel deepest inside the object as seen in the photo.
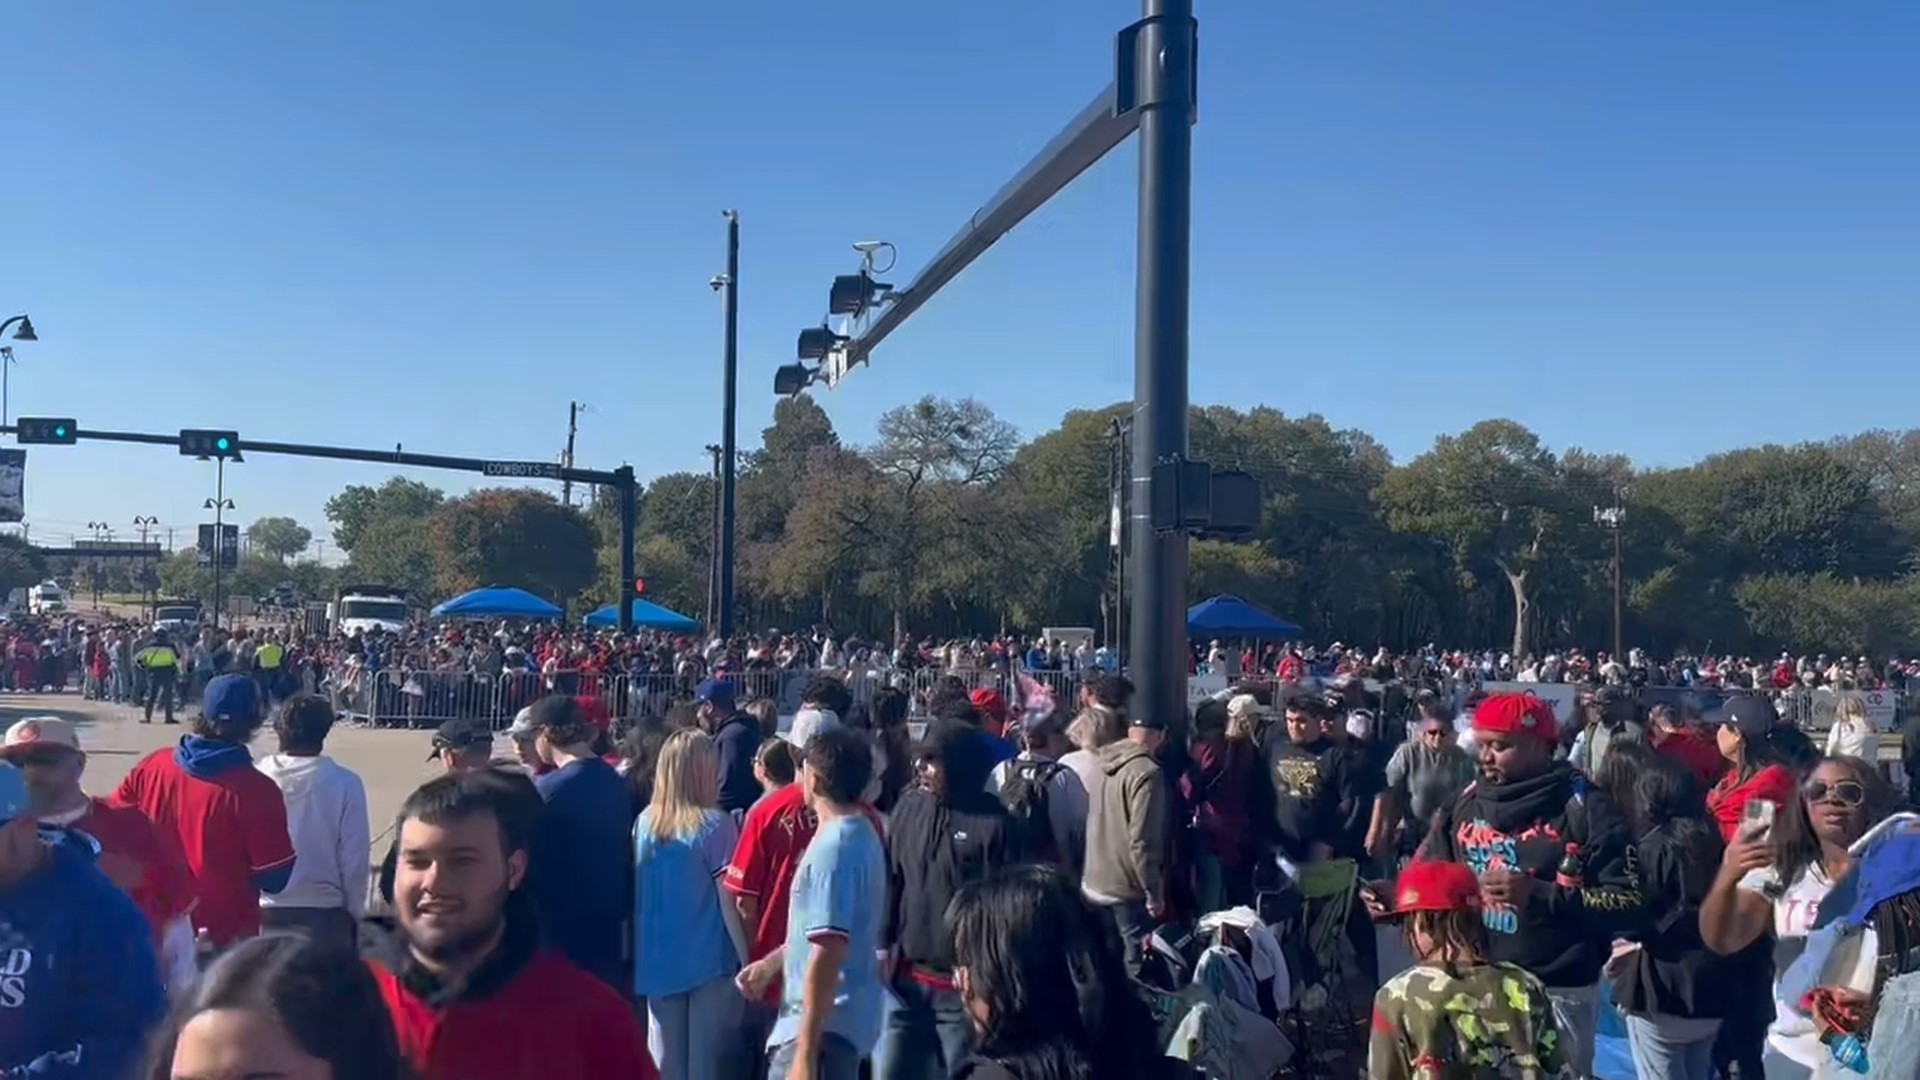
(327, 818)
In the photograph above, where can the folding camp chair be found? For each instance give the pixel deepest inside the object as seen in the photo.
(1323, 1012)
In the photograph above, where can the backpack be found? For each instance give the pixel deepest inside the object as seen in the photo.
(1025, 795)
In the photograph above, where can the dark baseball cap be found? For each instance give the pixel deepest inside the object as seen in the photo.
(1750, 715)
(461, 735)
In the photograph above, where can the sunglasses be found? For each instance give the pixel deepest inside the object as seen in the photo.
(49, 756)
(1842, 792)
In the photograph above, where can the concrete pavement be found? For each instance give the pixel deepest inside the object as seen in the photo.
(391, 762)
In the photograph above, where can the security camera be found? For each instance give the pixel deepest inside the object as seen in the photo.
(868, 247)
(718, 282)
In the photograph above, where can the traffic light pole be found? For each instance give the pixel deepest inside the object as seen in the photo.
(622, 480)
(729, 421)
(1154, 91)
(1163, 93)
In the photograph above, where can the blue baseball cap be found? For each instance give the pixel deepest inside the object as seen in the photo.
(717, 693)
(231, 699)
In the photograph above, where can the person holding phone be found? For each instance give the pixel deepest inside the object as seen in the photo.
(1773, 877)
(1757, 763)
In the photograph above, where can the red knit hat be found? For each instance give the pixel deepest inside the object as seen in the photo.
(1516, 714)
(1436, 886)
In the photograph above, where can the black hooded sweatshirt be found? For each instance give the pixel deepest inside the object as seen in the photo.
(934, 846)
(1561, 935)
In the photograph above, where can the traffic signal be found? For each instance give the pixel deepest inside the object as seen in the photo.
(853, 294)
(639, 586)
(209, 444)
(41, 429)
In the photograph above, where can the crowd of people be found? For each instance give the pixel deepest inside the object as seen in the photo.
(1033, 884)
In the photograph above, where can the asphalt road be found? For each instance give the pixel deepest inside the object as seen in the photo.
(391, 762)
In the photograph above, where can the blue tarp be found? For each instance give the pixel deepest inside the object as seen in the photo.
(1230, 616)
(647, 615)
(497, 603)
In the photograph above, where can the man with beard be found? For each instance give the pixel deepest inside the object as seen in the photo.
(471, 992)
(1555, 861)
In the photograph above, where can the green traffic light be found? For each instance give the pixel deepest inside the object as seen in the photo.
(60, 431)
(222, 444)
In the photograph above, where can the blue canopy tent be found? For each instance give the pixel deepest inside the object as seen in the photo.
(496, 602)
(1230, 616)
(647, 615)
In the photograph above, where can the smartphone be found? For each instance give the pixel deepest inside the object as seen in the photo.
(1756, 819)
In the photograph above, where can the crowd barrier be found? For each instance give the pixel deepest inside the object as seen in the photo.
(405, 698)
(419, 699)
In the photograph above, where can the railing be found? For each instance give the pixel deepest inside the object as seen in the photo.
(406, 698)
(399, 697)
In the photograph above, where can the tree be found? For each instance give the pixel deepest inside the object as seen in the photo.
(358, 508)
(1491, 496)
(21, 566)
(279, 538)
(515, 537)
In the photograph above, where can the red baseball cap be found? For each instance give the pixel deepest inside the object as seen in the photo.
(989, 702)
(1436, 886)
(1516, 714)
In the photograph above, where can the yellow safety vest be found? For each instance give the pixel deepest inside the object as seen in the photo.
(157, 656)
(269, 655)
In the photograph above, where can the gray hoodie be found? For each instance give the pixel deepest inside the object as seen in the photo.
(1127, 828)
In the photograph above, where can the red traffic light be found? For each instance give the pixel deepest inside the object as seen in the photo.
(639, 586)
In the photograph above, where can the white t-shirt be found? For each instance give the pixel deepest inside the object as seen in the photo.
(1794, 910)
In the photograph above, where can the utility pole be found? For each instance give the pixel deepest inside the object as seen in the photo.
(729, 409)
(1614, 519)
(573, 428)
(1119, 434)
(713, 549)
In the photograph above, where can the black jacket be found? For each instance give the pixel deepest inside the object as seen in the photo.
(934, 846)
(1674, 973)
(1561, 935)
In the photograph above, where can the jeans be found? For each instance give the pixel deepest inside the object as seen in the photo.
(696, 1035)
(1576, 1012)
(1672, 1049)
(1131, 921)
(838, 1060)
(926, 1033)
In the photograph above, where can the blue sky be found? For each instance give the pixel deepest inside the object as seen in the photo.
(1659, 228)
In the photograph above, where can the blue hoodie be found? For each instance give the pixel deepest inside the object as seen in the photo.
(80, 987)
(203, 759)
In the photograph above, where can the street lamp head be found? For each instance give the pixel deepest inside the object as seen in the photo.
(25, 332)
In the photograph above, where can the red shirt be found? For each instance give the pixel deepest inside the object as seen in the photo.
(1695, 751)
(1728, 800)
(773, 836)
(550, 1020)
(230, 826)
(141, 860)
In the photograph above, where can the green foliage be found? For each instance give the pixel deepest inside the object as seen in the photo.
(279, 538)
(515, 537)
(947, 522)
(21, 567)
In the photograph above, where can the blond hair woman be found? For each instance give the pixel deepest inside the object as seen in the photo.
(1852, 734)
(687, 937)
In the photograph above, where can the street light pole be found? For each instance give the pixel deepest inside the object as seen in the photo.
(729, 420)
(1614, 519)
(219, 504)
(144, 522)
(101, 532)
(25, 333)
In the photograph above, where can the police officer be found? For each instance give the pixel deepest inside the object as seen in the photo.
(161, 662)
